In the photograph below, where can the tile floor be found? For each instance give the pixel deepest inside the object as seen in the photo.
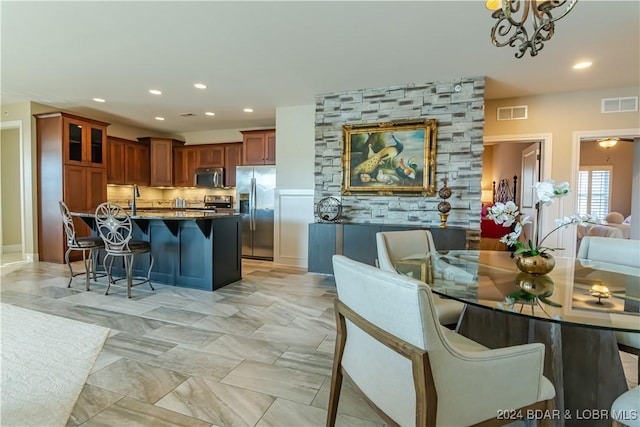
(255, 353)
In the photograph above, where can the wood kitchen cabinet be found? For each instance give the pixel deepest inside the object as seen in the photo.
(127, 162)
(259, 147)
(136, 163)
(161, 160)
(115, 160)
(184, 165)
(84, 141)
(232, 158)
(71, 166)
(211, 156)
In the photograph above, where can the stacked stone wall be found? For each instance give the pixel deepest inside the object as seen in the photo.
(458, 108)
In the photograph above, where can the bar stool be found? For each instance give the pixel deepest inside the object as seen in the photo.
(84, 244)
(115, 229)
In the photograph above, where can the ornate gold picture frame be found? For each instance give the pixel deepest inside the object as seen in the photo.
(389, 158)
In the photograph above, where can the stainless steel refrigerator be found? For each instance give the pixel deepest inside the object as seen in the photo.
(255, 186)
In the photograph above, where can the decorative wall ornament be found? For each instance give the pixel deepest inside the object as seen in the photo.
(444, 207)
(389, 158)
(526, 24)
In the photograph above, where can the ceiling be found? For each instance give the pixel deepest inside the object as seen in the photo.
(265, 55)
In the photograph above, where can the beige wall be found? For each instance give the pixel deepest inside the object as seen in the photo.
(295, 147)
(10, 180)
(561, 115)
(621, 159)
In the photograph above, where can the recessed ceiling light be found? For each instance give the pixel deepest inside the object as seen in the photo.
(248, 110)
(209, 113)
(155, 92)
(200, 85)
(582, 65)
(99, 100)
(159, 118)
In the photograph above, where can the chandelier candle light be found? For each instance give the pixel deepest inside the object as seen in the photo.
(513, 15)
(532, 257)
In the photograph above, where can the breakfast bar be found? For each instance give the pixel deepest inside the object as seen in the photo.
(192, 249)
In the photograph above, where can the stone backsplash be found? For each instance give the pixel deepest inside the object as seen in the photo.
(458, 108)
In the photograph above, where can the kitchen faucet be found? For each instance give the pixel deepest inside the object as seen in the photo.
(136, 193)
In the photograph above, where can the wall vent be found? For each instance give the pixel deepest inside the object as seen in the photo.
(187, 114)
(518, 112)
(619, 105)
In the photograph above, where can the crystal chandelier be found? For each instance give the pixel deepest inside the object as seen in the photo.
(512, 16)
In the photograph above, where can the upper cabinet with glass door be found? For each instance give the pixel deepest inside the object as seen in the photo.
(84, 141)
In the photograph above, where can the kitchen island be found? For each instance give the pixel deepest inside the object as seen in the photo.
(193, 249)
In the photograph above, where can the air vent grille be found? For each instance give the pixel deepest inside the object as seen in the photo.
(619, 105)
(187, 115)
(517, 112)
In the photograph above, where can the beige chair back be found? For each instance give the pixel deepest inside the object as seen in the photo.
(610, 250)
(395, 245)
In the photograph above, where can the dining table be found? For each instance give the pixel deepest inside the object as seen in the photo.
(575, 311)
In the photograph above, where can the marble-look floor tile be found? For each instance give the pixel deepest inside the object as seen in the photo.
(246, 348)
(298, 310)
(174, 315)
(214, 308)
(306, 359)
(328, 345)
(136, 347)
(92, 400)
(133, 324)
(289, 336)
(167, 300)
(134, 413)
(287, 413)
(351, 402)
(265, 315)
(220, 404)
(288, 383)
(319, 324)
(196, 363)
(105, 358)
(185, 335)
(228, 325)
(247, 300)
(137, 380)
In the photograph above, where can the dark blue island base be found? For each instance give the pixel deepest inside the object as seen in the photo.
(194, 252)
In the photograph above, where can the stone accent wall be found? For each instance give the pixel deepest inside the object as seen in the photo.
(460, 120)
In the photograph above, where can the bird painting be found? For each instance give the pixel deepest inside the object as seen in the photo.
(374, 159)
(408, 170)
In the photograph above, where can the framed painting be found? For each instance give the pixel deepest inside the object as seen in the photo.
(389, 158)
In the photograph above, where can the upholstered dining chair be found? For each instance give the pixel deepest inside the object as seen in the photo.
(116, 230)
(88, 246)
(626, 408)
(618, 254)
(414, 371)
(395, 245)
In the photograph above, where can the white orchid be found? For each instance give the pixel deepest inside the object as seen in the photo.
(507, 214)
(548, 190)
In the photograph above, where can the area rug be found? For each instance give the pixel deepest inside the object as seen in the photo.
(45, 363)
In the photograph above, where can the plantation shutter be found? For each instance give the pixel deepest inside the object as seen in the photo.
(594, 190)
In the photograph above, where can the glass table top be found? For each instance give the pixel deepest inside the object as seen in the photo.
(580, 292)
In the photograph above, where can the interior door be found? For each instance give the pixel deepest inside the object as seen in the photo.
(530, 174)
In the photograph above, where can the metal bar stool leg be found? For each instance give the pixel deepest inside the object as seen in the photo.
(66, 258)
(109, 278)
(149, 272)
(87, 268)
(129, 271)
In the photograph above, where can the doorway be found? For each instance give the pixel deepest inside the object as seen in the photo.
(510, 162)
(12, 224)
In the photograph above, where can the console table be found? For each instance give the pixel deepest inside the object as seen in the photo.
(358, 241)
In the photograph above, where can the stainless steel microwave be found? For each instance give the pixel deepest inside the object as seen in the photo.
(209, 177)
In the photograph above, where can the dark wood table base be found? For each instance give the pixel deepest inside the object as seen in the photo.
(582, 363)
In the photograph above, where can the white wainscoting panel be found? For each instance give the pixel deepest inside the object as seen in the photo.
(293, 214)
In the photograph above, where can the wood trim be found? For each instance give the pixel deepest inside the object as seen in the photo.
(71, 116)
(426, 395)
